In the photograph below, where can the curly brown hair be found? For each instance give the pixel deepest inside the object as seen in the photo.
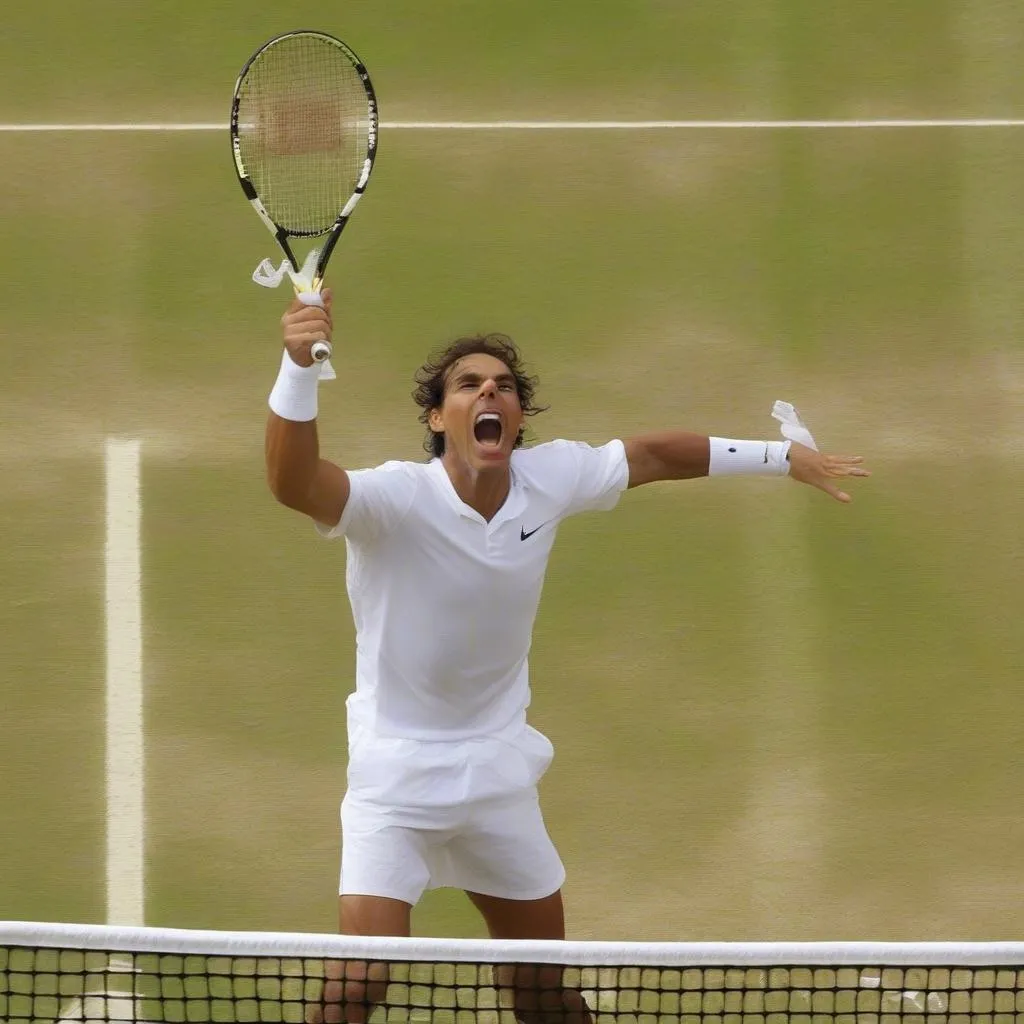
(431, 377)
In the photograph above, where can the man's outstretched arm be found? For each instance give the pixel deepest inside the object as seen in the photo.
(680, 455)
(297, 476)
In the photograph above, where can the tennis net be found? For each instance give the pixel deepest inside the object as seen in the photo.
(62, 973)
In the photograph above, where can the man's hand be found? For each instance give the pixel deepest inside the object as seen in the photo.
(303, 326)
(821, 471)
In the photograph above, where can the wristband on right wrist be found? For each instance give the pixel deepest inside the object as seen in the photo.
(294, 395)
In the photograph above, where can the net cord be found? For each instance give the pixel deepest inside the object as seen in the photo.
(180, 941)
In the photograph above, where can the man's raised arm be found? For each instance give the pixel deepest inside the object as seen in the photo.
(679, 455)
(297, 476)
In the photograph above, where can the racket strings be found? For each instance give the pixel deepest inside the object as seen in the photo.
(304, 122)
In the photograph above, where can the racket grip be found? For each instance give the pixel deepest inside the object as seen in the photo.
(321, 350)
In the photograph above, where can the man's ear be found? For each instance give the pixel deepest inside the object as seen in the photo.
(436, 421)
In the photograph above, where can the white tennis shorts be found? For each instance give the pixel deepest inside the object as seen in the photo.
(421, 815)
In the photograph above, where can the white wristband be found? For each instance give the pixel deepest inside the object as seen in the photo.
(767, 458)
(294, 393)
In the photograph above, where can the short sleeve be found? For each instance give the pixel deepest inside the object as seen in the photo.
(378, 501)
(602, 474)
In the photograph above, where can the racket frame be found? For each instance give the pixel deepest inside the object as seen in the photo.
(334, 231)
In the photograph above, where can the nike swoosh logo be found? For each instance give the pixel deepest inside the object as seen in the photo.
(523, 535)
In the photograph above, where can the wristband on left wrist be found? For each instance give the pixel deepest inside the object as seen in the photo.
(748, 458)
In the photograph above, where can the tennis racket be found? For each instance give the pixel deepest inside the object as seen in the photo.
(304, 136)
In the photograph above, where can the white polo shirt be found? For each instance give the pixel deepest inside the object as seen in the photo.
(443, 601)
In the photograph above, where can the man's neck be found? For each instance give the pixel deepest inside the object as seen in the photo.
(483, 492)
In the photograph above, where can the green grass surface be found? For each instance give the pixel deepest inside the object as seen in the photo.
(456, 58)
(774, 717)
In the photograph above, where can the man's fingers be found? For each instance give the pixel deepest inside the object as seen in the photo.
(304, 325)
(297, 309)
(307, 337)
(307, 330)
(844, 465)
(299, 313)
(836, 493)
(307, 324)
(824, 471)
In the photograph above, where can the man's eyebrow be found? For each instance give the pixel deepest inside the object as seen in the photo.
(476, 375)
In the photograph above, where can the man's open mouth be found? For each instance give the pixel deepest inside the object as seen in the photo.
(487, 429)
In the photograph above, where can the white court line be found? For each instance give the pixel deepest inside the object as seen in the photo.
(124, 754)
(698, 125)
(205, 126)
(104, 1002)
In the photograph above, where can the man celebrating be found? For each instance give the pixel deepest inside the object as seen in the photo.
(446, 560)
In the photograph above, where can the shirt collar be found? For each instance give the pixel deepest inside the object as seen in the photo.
(514, 504)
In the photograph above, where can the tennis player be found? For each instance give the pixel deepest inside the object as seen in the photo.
(445, 564)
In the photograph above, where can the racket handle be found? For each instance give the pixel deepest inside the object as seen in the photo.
(321, 350)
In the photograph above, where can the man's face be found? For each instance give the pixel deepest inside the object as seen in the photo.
(480, 414)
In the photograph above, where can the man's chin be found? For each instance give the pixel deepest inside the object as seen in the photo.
(488, 456)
